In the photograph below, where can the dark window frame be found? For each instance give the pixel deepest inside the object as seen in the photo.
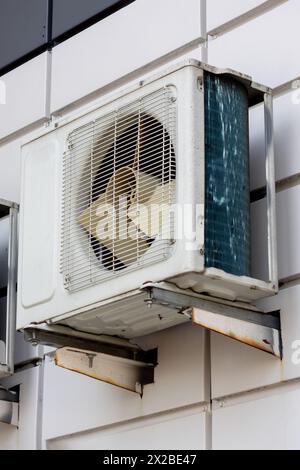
(51, 41)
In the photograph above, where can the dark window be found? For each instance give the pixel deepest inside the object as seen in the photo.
(23, 28)
(29, 27)
(69, 14)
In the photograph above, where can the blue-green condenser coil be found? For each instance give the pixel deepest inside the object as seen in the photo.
(227, 187)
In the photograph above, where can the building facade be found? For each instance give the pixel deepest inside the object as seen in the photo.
(210, 392)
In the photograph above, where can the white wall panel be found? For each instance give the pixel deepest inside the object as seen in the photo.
(288, 229)
(237, 368)
(287, 135)
(219, 12)
(25, 96)
(167, 432)
(29, 405)
(121, 43)
(288, 302)
(28, 412)
(8, 437)
(287, 140)
(271, 423)
(10, 174)
(265, 48)
(178, 382)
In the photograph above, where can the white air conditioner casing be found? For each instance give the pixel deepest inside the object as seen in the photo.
(44, 293)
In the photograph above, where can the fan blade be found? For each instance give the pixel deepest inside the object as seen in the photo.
(90, 217)
(118, 234)
(145, 185)
(152, 214)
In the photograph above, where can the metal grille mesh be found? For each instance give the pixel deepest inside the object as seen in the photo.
(118, 184)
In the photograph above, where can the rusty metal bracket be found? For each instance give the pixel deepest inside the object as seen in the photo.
(107, 358)
(243, 323)
(124, 373)
(260, 336)
(122, 363)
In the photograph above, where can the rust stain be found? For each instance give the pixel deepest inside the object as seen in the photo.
(252, 342)
(106, 379)
(263, 345)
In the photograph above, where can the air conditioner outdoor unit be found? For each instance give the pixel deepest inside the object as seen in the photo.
(148, 187)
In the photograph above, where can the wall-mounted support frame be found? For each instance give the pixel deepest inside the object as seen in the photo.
(109, 359)
(10, 209)
(239, 322)
(122, 363)
(129, 374)
(260, 331)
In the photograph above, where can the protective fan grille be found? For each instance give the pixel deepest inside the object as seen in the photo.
(118, 185)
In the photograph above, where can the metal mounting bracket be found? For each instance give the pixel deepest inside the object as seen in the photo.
(129, 374)
(9, 407)
(122, 363)
(109, 359)
(243, 323)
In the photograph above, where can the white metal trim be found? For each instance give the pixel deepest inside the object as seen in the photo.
(271, 191)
